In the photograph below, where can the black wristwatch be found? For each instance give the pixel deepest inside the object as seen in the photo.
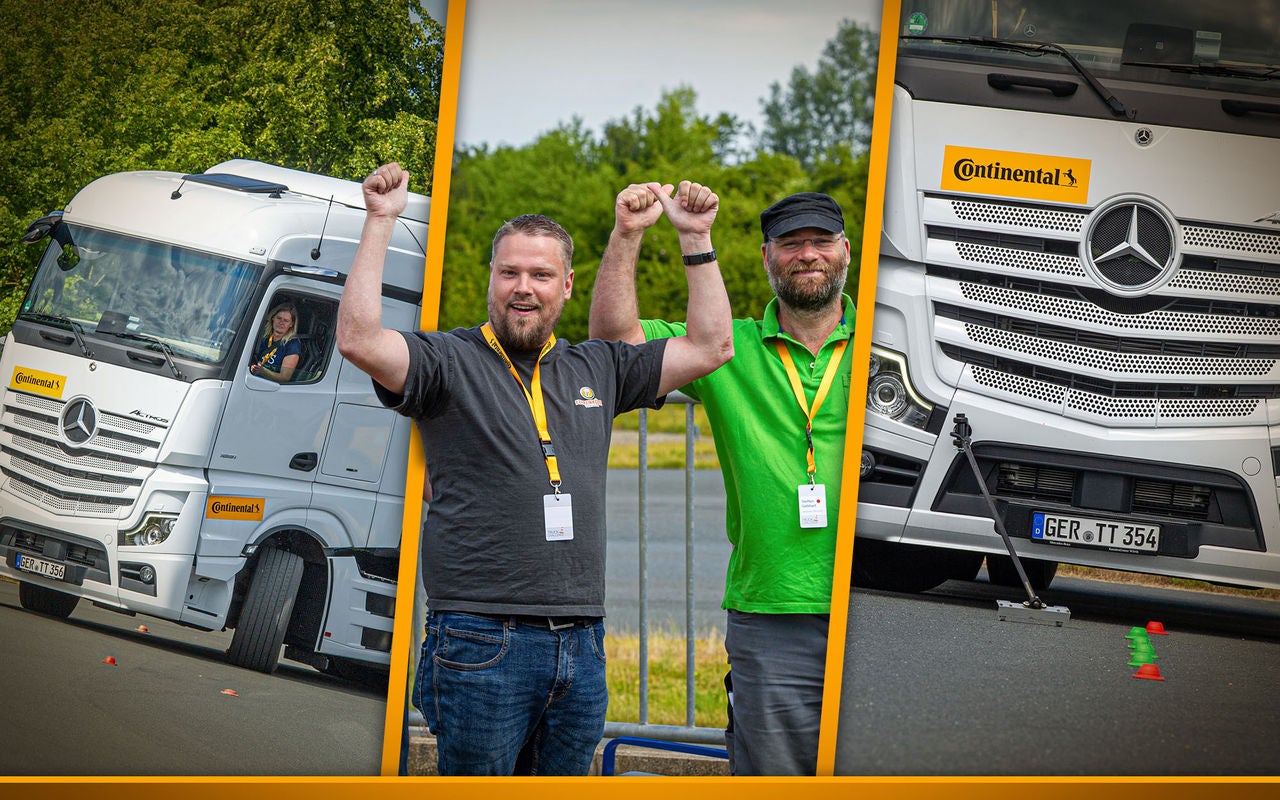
(693, 259)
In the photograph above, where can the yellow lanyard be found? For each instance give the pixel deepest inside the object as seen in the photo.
(268, 354)
(533, 395)
(810, 412)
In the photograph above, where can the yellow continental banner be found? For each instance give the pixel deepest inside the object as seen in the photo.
(241, 508)
(1030, 176)
(37, 382)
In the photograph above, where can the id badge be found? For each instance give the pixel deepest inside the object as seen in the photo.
(813, 505)
(557, 514)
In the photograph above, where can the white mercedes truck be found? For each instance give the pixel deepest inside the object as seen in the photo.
(1081, 255)
(145, 469)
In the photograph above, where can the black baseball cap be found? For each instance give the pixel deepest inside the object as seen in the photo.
(802, 210)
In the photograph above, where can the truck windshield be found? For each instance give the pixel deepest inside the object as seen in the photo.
(1186, 43)
(104, 283)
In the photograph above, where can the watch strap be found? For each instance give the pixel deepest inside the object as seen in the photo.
(693, 259)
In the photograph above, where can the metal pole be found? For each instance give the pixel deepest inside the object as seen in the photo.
(690, 656)
(642, 472)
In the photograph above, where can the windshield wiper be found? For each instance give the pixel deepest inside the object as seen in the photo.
(71, 325)
(1021, 46)
(1260, 72)
(142, 337)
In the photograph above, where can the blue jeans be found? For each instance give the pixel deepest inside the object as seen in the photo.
(777, 663)
(505, 698)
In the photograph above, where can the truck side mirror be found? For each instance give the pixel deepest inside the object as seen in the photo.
(41, 228)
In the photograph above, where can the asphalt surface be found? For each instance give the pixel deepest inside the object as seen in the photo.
(936, 684)
(168, 703)
(666, 568)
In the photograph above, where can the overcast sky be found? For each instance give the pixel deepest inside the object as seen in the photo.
(529, 65)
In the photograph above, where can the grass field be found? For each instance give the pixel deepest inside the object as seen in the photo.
(665, 440)
(1142, 579)
(667, 690)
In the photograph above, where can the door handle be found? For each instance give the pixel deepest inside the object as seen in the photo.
(1239, 108)
(997, 80)
(304, 462)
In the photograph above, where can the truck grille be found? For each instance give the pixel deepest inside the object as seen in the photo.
(86, 559)
(99, 479)
(1015, 300)
(1154, 497)
(1194, 506)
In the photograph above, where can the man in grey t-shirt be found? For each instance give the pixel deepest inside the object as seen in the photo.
(517, 425)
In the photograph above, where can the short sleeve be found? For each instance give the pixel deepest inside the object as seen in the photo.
(661, 329)
(427, 380)
(639, 375)
(655, 329)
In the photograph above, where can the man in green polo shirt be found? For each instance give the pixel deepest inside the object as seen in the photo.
(777, 413)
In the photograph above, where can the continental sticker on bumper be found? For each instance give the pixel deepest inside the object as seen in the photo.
(241, 508)
(33, 380)
(1026, 175)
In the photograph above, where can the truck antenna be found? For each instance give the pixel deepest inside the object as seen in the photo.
(315, 251)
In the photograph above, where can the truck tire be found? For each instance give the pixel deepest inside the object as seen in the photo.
(267, 608)
(909, 568)
(44, 600)
(1001, 572)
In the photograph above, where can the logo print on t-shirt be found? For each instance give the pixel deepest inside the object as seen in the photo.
(587, 398)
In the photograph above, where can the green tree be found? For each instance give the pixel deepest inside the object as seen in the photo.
(573, 177)
(673, 135)
(829, 110)
(332, 86)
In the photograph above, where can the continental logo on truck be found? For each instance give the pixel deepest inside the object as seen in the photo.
(238, 508)
(1026, 175)
(33, 380)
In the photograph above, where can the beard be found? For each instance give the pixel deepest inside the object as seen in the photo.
(809, 294)
(517, 332)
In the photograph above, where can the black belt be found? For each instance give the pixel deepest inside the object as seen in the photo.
(547, 623)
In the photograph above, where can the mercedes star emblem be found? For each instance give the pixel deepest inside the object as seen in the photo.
(79, 421)
(1130, 246)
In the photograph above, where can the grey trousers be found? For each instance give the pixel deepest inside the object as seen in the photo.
(777, 663)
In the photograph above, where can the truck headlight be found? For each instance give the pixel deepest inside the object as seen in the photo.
(153, 529)
(890, 393)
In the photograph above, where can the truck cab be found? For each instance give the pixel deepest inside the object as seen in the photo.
(146, 469)
(1080, 254)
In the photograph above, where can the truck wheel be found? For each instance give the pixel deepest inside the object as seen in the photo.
(1001, 572)
(909, 568)
(43, 600)
(267, 608)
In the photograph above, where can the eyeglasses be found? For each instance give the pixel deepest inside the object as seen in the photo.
(792, 246)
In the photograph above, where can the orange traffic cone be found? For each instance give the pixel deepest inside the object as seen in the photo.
(1156, 627)
(231, 692)
(109, 660)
